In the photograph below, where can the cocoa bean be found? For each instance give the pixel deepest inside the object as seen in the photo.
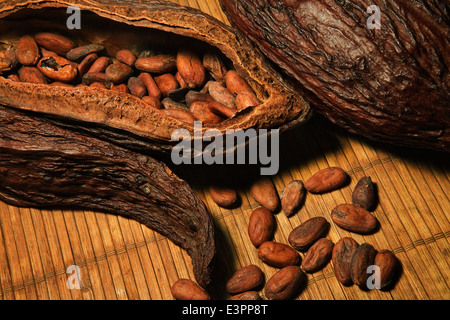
(264, 192)
(245, 100)
(57, 68)
(261, 225)
(126, 56)
(150, 84)
(161, 63)
(221, 94)
(193, 96)
(342, 255)
(86, 64)
(99, 65)
(190, 68)
(186, 289)
(56, 43)
(92, 77)
(285, 283)
(166, 83)
(152, 102)
(136, 87)
(364, 194)
(201, 112)
(278, 254)
(27, 51)
(326, 180)
(354, 218)
(363, 257)
(318, 255)
(222, 195)
(215, 66)
(249, 295)
(121, 88)
(388, 264)
(221, 110)
(81, 52)
(31, 75)
(236, 84)
(118, 72)
(245, 279)
(303, 236)
(292, 197)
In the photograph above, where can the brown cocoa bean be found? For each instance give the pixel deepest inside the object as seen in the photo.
(166, 83)
(161, 63)
(97, 85)
(57, 43)
(261, 225)
(303, 236)
(278, 254)
(364, 194)
(118, 72)
(318, 255)
(353, 218)
(363, 257)
(136, 87)
(186, 289)
(388, 264)
(221, 94)
(31, 75)
(92, 77)
(57, 68)
(249, 295)
(180, 115)
(27, 51)
(152, 102)
(342, 255)
(245, 100)
(150, 84)
(8, 59)
(326, 180)
(99, 65)
(222, 195)
(236, 84)
(193, 96)
(126, 56)
(221, 110)
(168, 103)
(86, 64)
(285, 283)
(264, 192)
(190, 68)
(120, 88)
(292, 197)
(201, 112)
(81, 52)
(178, 94)
(245, 279)
(215, 66)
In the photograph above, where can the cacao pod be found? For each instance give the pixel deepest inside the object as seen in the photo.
(388, 82)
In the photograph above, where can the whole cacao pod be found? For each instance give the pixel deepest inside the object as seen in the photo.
(387, 81)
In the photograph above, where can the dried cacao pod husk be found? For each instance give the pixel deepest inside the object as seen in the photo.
(43, 165)
(116, 25)
(391, 84)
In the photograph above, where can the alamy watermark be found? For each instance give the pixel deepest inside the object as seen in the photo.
(74, 278)
(374, 21)
(249, 146)
(74, 20)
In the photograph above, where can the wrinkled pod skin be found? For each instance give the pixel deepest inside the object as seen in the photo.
(120, 117)
(45, 166)
(390, 84)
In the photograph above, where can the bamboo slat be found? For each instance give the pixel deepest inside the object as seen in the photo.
(122, 259)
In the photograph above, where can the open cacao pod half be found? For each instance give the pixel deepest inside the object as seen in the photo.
(377, 68)
(154, 28)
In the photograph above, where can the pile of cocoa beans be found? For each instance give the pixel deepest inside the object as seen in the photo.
(350, 260)
(186, 85)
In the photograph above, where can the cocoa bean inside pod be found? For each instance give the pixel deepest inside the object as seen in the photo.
(127, 31)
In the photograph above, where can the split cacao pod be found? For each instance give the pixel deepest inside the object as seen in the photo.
(389, 83)
(121, 117)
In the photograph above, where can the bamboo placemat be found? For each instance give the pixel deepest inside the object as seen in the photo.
(122, 259)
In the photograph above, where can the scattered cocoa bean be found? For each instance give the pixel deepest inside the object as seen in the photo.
(245, 279)
(27, 51)
(81, 52)
(285, 283)
(342, 255)
(236, 84)
(318, 255)
(126, 56)
(136, 87)
(303, 236)
(56, 43)
(99, 65)
(57, 68)
(222, 195)
(152, 88)
(353, 218)
(364, 194)
(186, 289)
(326, 180)
(31, 75)
(261, 226)
(278, 254)
(201, 112)
(221, 94)
(363, 257)
(292, 197)
(215, 66)
(264, 192)
(388, 264)
(166, 83)
(190, 68)
(161, 63)
(118, 72)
